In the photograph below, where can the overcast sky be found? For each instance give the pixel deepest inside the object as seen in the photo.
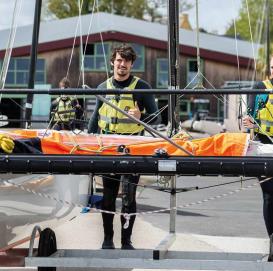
(214, 15)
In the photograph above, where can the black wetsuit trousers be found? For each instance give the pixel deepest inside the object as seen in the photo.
(267, 190)
(111, 185)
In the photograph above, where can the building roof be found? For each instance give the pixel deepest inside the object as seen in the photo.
(60, 34)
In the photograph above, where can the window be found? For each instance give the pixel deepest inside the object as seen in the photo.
(18, 72)
(192, 70)
(162, 73)
(97, 54)
(184, 109)
(139, 65)
(94, 56)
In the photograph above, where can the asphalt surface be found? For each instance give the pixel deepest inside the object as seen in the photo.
(233, 209)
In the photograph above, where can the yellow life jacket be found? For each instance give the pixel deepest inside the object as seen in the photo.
(110, 120)
(265, 115)
(64, 106)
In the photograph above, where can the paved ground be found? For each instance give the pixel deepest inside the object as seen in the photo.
(213, 219)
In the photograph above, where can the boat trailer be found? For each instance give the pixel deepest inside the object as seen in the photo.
(160, 257)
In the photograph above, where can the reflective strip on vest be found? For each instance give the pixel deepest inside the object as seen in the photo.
(265, 115)
(64, 106)
(116, 120)
(113, 121)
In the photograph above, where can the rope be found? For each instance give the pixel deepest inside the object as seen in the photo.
(236, 46)
(11, 39)
(199, 83)
(252, 43)
(81, 43)
(102, 43)
(126, 215)
(86, 43)
(73, 47)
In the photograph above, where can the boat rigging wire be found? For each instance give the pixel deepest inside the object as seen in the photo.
(126, 215)
(86, 43)
(73, 47)
(199, 80)
(102, 42)
(236, 46)
(251, 37)
(10, 43)
(81, 43)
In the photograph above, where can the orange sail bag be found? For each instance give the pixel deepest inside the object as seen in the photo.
(66, 142)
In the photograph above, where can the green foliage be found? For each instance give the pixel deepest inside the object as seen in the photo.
(256, 18)
(141, 9)
(68, 8)
(257, 15)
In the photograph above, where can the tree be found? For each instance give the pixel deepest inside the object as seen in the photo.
(256, 14)
(67, 8)
(150, 10)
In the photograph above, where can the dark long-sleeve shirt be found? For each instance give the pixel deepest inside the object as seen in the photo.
(144, 101)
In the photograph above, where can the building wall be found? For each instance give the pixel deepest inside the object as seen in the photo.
(57, 64)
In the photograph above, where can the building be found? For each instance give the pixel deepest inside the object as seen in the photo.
(60, 50)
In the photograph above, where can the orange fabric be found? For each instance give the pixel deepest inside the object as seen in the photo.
(55, 142)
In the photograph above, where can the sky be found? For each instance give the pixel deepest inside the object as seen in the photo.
(214, 15)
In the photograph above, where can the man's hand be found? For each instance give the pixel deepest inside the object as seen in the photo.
(135, 112)
(248, 122)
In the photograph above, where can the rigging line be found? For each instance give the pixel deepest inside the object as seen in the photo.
(81, 43)
(86, 42)
(82, 72)
(102, 43)
(20, 106)
(73, 47)
(222, 184)
(158, 188)
(199, 83)
(258, 33)
(252, 43)
(236, 46)
(11, 39)
(226, 101)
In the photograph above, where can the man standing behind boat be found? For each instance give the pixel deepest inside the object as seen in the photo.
(260, 119)
(65, 110)
(107, 120)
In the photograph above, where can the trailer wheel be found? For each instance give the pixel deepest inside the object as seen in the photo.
(47, 246)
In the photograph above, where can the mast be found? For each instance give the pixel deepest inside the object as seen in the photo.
(173, 59)
(267, 39)
(33, 58)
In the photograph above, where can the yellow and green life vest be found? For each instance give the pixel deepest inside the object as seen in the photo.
(110, 120)
(265, 115)
(64, 106)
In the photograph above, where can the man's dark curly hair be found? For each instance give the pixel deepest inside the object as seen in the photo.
(126, 51)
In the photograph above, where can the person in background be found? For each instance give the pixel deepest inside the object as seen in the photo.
(107, 120)
(260, 121)
(65, 110)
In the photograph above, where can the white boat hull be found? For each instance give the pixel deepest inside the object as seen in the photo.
(44, 200)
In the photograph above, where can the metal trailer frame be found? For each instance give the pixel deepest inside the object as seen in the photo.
(160, 257)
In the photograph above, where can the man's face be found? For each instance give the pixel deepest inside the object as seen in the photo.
(122, 67)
